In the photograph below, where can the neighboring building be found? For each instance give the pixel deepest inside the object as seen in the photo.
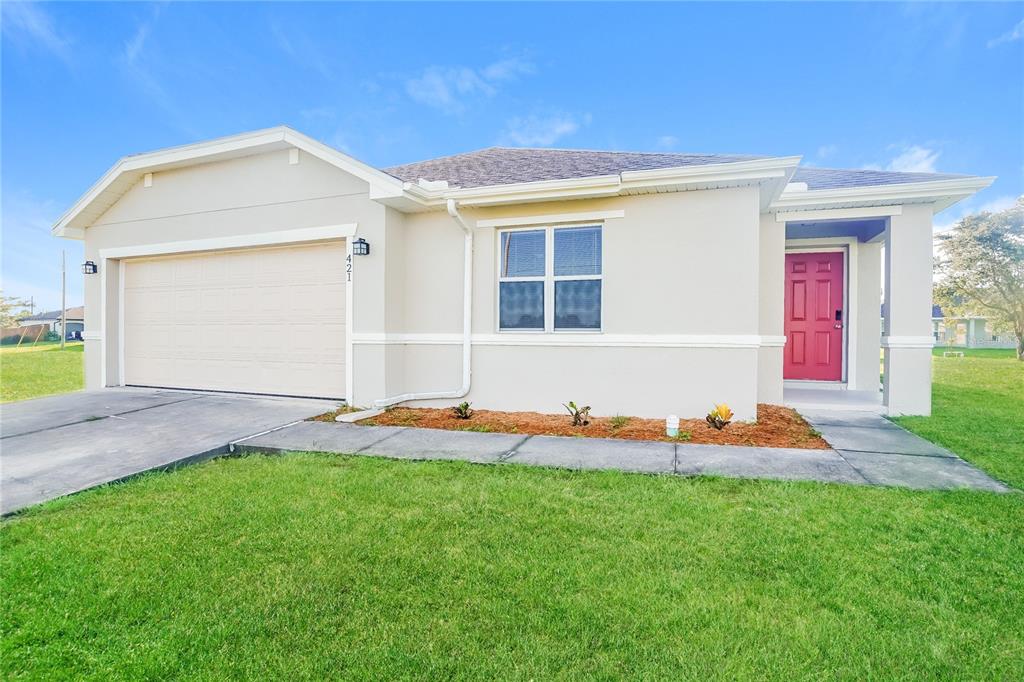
(967, 332)
(638, 283)
(75, 320)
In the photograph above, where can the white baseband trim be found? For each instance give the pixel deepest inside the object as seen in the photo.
(773, 341)
(280, 237)
(570, 339)
(908, 342)
(92, 336)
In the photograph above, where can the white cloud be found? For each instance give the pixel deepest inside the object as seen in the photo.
(1014, 34)
(447, 87)
(29, 25)
(914, 159)
(827, 150)
(442, 88)
(999, 204)
(667, 142)
(540, 131)
(948, 219)
(507, 69)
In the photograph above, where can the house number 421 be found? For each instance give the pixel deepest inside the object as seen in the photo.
(348, 267)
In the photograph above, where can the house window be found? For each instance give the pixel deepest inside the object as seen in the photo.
(550, 279)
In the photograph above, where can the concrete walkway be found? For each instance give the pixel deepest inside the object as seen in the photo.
(868, 457)
(62, 444)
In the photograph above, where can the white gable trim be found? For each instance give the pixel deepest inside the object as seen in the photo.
(116, 181)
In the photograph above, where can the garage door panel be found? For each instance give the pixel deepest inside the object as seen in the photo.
(264, 321)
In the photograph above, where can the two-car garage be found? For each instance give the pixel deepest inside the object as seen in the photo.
(264, 320)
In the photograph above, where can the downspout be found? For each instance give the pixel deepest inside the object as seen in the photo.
(467, 323)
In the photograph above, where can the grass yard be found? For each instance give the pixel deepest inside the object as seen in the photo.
(314, 566)
(978, 410)
(31, 372)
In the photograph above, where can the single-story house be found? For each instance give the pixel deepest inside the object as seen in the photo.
(518, 279)
(967, 332)
(51, 318)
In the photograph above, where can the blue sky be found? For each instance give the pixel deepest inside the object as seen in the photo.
(906, 87)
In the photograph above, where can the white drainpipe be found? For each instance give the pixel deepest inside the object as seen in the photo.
(467, 323)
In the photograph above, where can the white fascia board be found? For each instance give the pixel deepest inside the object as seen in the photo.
(940, 193)
(233, 146)
(776, 171)
(738, 171)
(601, 185)
(839, 214)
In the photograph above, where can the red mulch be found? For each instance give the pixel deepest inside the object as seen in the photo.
(776, 427)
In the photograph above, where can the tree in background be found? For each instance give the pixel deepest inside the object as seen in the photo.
(980, 269)
(12, 311)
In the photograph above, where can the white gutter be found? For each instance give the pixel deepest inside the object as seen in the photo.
(467, 323)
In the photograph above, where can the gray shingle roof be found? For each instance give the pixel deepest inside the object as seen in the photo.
(75, 313)
(507, 165)
(836, 178)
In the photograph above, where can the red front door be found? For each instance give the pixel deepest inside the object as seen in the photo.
(814, 316)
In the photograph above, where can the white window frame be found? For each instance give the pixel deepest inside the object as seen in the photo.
(548, 278)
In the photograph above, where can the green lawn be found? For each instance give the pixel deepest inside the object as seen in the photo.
(30, 372)
(326, 566)
(978, 410)
(313, 566)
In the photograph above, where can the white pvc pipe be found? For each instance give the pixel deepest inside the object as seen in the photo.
(467, 324)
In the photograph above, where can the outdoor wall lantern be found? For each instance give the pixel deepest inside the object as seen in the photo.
(361, 247)
(88, 268)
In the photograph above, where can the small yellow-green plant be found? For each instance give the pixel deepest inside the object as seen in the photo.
(580, 415)
(720, 416)
(462, 411)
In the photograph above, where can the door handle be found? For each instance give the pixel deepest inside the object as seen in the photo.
(839, 319)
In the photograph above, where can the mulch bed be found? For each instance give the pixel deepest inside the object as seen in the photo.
(776, 427)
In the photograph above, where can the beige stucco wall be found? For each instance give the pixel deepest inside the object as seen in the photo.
(676, 264)
(253, 194)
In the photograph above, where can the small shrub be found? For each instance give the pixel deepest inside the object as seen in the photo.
(51, 336)
(719, 417)
(617, 422)
(462, 411)
(580, 415)
(684, 436)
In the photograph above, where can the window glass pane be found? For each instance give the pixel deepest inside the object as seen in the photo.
(522, 254)
(578, 304)
(521, 305)
(578, 251)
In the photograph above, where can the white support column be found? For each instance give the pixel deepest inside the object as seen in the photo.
(907, 340)
(771, 307)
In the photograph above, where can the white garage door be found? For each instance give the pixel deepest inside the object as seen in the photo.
(268, 320)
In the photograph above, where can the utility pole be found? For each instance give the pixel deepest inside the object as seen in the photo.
(63, 298)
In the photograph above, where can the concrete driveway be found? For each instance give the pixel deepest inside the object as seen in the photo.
(58, 445)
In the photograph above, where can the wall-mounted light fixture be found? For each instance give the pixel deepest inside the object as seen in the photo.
(361, 247)
(88, 268)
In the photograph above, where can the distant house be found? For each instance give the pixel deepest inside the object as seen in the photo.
(51, 318)
(968, 332)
